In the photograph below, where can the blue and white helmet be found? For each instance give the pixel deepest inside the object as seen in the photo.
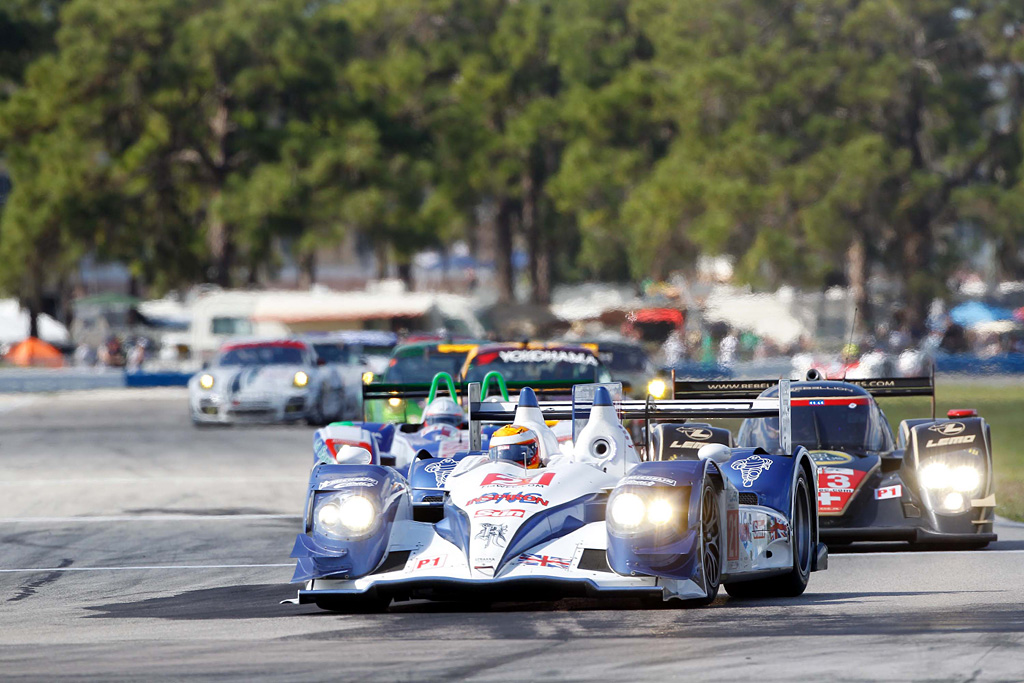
(444, 410)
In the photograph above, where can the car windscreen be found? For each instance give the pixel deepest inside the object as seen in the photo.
(532, 365)
(842, 426)
(332, 353)
(624, 359)
(264, 354)
(422, 368)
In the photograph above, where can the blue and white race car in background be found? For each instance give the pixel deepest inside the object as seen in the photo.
(598, 521)
(265, 381)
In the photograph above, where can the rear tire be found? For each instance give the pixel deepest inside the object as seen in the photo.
(794, 583)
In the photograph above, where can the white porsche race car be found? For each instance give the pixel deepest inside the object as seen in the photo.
(265, 381)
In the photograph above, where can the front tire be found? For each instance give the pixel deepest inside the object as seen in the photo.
(794, 583)
(710, 545)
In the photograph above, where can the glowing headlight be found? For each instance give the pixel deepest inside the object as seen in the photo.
(628, 510)
(660, 511)
(953, 501)
(329, 515)
(367, 377)
(357, 514)
(394, 402)
(657, 388)
(936, 475)
(966, 478)
(206, 382)
(301, 379)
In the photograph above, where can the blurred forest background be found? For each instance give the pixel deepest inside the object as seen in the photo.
(812, 141)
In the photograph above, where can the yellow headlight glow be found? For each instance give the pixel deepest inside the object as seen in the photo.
(301, 379)
(628, 510)
(357, 513)
(367, 377)
(206, 382)
(660, 511)
(657, 388)
(935, 475)
(966, 478)
(394, 402)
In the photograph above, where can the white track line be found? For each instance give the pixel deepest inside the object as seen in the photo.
(140, 518)
(886, 553)
(176, 567)
(154, 480)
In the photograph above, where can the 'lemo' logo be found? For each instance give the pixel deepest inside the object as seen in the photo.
(947, 428)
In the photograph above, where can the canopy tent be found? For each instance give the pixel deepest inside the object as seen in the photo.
(34, 352)
(14, 325)
(971, 313)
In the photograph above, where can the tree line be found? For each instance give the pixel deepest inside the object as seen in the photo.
(812, 141)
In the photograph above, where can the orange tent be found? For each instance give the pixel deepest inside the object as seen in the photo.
(34, 352)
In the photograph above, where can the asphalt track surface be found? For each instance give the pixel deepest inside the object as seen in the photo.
(134, 546)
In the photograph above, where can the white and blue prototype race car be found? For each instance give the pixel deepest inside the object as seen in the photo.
(265, 381)
(598, 521)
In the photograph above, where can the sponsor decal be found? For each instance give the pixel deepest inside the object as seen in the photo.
(688, 444)
(518, 497)
(751, 468)
(499, 513)
(836, 486)
(545, 561)
(320, 450)
(430, 562)
(778, 529)
(826, 457)
(947, 428)
(886, 492)
(949, 441)
(441, 469)
(508, 480)
(696, 433)
(350, 481)
(547, 356)
(759, 528)
(492, 533)
(732, 519)
(647, 480)
(741, 385)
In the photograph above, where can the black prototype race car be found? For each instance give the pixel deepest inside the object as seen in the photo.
(932, 483)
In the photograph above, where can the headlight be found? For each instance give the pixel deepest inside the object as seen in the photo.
(953, 501)
(657, 388)
(395, 402)
(206, 382)
(628, 510)
(352, 515)
(367, 377)
(301, 379)
(966, 478)
(935, 475)
(660, 511)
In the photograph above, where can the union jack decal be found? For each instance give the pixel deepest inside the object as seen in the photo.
(545, 561)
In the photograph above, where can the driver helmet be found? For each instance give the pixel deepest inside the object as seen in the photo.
(444, 410)
(353, 455)
(515, 443)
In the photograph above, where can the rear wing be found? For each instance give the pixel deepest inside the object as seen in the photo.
(881, 386)
(459, 390)
(666, 410)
